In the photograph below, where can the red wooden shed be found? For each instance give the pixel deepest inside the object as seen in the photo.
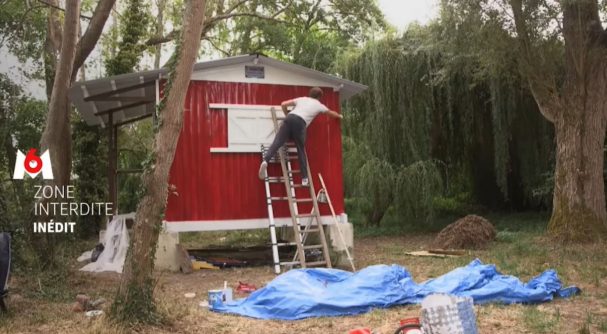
(227, 118)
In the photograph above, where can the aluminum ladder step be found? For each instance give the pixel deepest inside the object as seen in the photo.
(312, 247)
(298, 200)
(310, 230)
(316, 263)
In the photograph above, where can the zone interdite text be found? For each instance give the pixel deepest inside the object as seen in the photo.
(44, 206)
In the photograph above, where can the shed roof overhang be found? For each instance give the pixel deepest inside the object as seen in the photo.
(133, 96)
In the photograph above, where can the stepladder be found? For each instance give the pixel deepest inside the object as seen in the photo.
(308, 235)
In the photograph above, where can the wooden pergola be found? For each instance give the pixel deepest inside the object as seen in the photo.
(112, 103)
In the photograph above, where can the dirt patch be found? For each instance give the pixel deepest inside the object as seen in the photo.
(582, 265)
(470, 232)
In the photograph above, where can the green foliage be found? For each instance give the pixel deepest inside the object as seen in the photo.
(90, 168)
(135, 146)
(458, 204)
(309, 32)
(455, 126)
(416, 186)
(134, 26)
(21, 121)
(23, 32)
(375, 185)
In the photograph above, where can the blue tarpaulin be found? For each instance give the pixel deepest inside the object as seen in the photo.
(305, 293)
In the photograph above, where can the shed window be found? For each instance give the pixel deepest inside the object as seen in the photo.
(249, 126)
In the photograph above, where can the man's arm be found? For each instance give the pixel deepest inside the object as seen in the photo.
(286, 104)
(333, 114)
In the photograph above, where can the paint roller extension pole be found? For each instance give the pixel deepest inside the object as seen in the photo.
(341, 236)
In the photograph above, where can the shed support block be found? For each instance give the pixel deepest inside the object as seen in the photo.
(338, 246)
(167, 255)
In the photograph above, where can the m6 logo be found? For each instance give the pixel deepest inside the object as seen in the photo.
(33, 165)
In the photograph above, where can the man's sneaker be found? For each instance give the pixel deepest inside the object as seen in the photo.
(305, 182)
(263, 170)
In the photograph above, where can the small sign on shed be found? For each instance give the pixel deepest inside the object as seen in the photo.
(254, 72)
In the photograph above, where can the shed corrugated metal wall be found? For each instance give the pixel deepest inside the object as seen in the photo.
(224, 186)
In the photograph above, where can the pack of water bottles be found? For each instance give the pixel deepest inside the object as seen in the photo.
(448, 314)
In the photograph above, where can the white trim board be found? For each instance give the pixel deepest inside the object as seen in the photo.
(237, 224)
(242, 106)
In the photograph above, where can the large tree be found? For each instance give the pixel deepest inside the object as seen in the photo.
(576, 103)
(134, 302)
(56, 131)
(309, 33)
(74, 51)
(561, 51)
(306, 32)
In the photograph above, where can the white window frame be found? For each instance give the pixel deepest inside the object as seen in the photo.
(249, 126)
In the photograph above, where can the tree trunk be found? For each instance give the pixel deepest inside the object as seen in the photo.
(578, 111)
(56, 136)
(579, 212)
(579, 196)
(134, 301)
(73, 53)
(52, 46)
(87, 43)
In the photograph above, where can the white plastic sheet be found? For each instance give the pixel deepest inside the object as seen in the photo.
(85, 257)
(116, 243)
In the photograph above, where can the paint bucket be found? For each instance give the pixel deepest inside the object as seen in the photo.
(215, 298)
(410, 326)
(322, 197)
(227, 295)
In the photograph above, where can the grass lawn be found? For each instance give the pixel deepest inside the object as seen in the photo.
(521, 249)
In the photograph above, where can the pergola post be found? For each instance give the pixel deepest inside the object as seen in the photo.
(112, 163)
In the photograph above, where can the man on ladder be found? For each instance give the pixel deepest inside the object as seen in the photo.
(305, 109)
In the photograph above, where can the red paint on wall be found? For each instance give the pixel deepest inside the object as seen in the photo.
(224, 186)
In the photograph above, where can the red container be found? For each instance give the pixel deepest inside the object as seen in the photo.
(360, 331)
(410, 321)
(409, 326)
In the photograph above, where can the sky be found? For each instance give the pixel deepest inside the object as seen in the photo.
(399, 13)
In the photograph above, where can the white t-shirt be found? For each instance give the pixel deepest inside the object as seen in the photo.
(307, 108)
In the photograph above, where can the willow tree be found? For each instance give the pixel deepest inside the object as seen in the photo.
(134, 301)
(437, 105)
(388, 131)
(576, 104)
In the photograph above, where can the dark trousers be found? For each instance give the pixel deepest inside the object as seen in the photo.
(293, 128)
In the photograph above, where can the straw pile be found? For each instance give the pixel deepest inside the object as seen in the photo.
(470, 232)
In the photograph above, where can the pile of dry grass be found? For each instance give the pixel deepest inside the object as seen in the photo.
(470, 232)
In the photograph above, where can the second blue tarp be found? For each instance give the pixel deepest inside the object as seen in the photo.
(305, 293)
